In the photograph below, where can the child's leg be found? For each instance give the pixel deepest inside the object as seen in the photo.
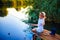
(34, 30)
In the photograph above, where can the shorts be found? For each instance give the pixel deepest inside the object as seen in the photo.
(38, 32)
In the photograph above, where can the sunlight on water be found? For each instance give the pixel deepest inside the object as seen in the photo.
(18, 14)
(12, 28)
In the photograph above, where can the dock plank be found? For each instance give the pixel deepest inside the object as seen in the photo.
(46, 35)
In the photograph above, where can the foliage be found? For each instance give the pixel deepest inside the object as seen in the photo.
(3, 12)
(51, 7)
(33, 16)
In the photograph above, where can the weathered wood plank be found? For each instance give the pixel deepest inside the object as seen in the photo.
(46, 35)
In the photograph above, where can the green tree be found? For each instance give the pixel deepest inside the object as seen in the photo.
(48, 6)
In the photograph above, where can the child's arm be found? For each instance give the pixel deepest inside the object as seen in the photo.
(44, 17)
(43, 22)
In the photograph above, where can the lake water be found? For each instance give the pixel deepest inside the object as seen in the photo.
(12, 28)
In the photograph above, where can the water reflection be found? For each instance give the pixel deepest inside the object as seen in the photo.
(11, 28)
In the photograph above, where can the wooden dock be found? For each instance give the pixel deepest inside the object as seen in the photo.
(46, 35)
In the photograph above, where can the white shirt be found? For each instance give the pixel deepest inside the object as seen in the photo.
(40, 25)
